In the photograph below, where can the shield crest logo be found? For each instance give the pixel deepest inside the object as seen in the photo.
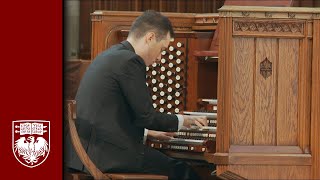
(31, 141)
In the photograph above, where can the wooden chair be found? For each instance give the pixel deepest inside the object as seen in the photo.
(85, 159)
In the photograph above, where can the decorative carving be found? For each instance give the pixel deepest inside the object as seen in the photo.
(315, 16)
(204, 19)
(245, 13)
(96, 18)
(268, 26)
(266, 68)
(268, 14)
(180, 28)
(215, 20)
(291, 15)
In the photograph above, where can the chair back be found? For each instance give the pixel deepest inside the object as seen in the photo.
(82, 154)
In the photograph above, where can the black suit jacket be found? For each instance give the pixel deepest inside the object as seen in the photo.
(114, 106)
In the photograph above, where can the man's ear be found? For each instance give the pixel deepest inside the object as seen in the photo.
(150, 36)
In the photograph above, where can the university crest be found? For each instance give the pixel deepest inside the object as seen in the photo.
(31, 141)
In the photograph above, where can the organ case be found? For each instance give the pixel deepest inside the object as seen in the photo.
(269, 93)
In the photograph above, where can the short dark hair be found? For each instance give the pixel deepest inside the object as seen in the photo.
(151, 20)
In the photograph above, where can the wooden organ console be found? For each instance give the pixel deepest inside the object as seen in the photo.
(186, 78)
(180, 82)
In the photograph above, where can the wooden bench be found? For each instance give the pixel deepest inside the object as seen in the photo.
(95, 173)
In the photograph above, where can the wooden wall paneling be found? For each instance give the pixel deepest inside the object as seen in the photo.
(181, 6)
(146, 5)
(98, 4)
(307, 3)
(242, 91)
(137, 5)
(197, 5)
(213, 6)
(206, 6)
(172, 5)
(315, 100)
(162, 5)
(123, 5)
(115, 5)
(287, 104)
(191, 6)
(264, 122)
(106, 4)
(154, 5)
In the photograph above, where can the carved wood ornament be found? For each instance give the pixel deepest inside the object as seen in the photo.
(266, 68)
(268, 26)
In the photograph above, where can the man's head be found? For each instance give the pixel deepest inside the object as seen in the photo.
(150, 34)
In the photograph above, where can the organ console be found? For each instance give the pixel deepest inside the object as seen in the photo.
(185, 80)
(178, 81)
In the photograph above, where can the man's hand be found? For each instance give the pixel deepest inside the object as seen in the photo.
(199, 121)
(160, 135)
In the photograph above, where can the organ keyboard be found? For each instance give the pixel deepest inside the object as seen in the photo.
(194, 139)
(180, 144)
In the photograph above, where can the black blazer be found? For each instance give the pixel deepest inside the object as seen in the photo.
(114, 106)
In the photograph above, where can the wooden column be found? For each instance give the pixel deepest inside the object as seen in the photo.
(315, 102)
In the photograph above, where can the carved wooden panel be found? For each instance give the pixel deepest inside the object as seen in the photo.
(242, 116)
(265, 109)
(268, 28)
(265, 93)
(266, 83)
(288, 87)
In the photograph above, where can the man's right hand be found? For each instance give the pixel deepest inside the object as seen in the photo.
(199, 121)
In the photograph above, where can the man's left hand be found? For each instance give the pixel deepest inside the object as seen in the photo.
(160, 135)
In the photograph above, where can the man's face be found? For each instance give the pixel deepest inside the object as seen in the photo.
(155, 49)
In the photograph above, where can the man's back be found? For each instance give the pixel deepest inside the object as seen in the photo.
(113, 107)
(104, 118)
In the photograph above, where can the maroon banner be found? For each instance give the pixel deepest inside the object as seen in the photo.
(31, 90)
